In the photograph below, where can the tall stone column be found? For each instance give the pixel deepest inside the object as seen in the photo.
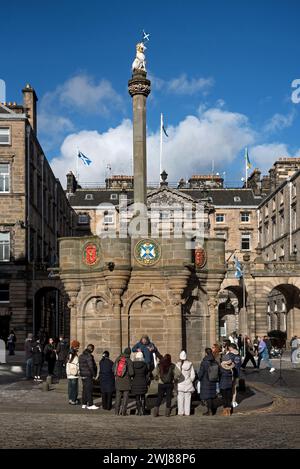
(139, 89)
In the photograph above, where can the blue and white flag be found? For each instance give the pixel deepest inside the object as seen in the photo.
(86, 161)
(238, 268)
(162, 125)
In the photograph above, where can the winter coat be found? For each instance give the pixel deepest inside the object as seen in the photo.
(225, 378)
(208, 389)
(106, 374)
(139, 383)
(28, 348)
(148, 355)
(175, 374)
(123, 383)
(72, 367)
(235, 357)
(87, 365)
(62, 349)
(185, 382)
(50, 353)
(37, 354)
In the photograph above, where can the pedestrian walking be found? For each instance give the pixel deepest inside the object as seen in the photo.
(28, 355)
(37, 359)
(88, 371)
(140, 381)
(107, 380)
(62, 349)
(185, 386)
(72, 371)
(226, 378)
(123, 371)
(149, 351)
(249, 354)
(50, 356)
(166, 373)
(11, 342)
(263, 354)
(209, 376)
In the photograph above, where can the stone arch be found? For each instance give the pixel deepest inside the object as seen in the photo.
(230, 302)
(93, 297)
(146, 314)
(50, 311)
(283, 306)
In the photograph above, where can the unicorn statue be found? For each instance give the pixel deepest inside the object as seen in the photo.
(139, 62)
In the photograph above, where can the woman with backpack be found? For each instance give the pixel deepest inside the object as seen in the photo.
(72, 371)
(139, 384)
(166, 373)
(107, 380)
(123, 370)
(209, 376)
(185, 386)
(226, 378)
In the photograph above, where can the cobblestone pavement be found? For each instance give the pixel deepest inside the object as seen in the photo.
(30, 418)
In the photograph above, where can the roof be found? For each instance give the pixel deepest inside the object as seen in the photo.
(226, 197)
(219, 197)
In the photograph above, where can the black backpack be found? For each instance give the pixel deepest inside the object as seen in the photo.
(213, 372)
(168, 377)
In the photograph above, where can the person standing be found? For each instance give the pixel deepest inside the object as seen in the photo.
(62, 354)
(88, 371)
(50, 356)
(185, 386)
(123, 371)
(28, 355)
(208, 389)
(37, 359)
(148, 349)
(226, 377)
(11, 342)
(107, 380)
(263, 354)
(139, 384)
(166, 373)
(295, 351)
(72, 371)
(249, 355)
(234, 356)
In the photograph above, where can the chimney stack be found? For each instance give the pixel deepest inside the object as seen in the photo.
(29, 102)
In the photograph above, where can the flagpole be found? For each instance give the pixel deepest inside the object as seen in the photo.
(246, 166)
(160, 150)
(77, 165)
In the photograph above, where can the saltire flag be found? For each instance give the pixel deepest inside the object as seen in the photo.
(238, 268)
(248, 163)
(86, 161)
(163, 127)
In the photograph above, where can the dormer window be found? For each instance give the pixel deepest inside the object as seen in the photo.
(89, 197)
(113, 196)
(236, 198)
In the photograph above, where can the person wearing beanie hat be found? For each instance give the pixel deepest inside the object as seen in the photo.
(107, 380)
(226, 379)
(123, 371)
(185, 385)
(149, 351)
(72, 371)
(140, 381)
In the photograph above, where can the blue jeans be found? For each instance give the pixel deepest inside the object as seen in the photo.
(29, 368)
(265, 356)
(73, 389)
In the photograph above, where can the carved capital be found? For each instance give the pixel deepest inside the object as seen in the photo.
(139, 87)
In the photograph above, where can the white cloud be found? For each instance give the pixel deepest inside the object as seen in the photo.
(182, 85)
(83, 93)
(279, 121)
(197, 140)
(264, 155)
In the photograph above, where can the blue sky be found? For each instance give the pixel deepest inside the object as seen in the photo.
(221, 73)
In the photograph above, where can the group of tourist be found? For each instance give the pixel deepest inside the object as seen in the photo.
(133, 370)
(40, 349)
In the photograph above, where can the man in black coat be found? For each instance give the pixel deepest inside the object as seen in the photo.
(62, 349)
(88, 371)
(107, 380)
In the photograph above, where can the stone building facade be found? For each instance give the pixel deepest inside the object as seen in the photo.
(34, 213)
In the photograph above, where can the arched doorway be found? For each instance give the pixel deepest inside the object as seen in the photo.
(283, 309)
(51, 313)
(231, 301)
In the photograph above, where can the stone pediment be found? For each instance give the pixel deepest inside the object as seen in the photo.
(4, 109)
(7, 113)
(165, 196)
